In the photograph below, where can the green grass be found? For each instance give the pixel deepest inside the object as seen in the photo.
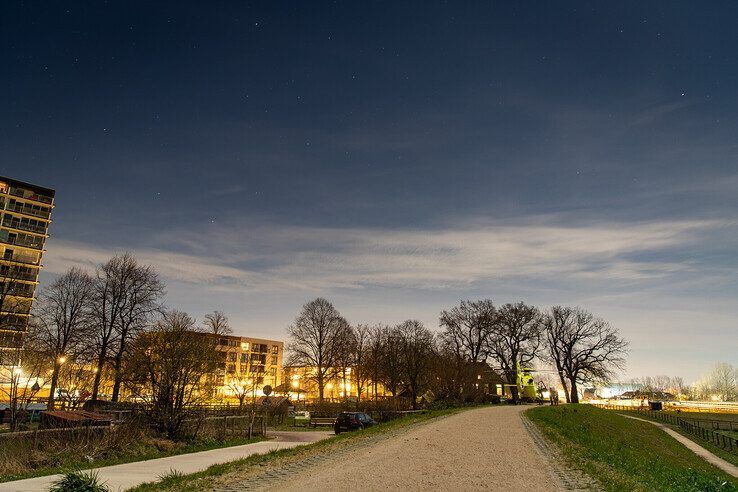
(727, 456)
(625, 454)
(141, 452)
(203, 480)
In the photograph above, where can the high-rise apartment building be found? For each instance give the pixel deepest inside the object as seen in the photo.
(26, 214)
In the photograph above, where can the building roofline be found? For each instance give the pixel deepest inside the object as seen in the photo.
(41, 189)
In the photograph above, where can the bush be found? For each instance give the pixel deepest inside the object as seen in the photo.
(77, 481)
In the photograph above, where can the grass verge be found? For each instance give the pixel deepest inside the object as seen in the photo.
(204, 479)
(729, 457)
(148, 450)
(625, 454)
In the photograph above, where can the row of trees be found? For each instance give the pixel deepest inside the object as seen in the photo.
(719, 383)
(409, 357)
(91, 330)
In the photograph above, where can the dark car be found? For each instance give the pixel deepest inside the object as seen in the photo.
(348, 421)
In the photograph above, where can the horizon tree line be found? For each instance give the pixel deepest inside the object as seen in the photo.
(408, 357)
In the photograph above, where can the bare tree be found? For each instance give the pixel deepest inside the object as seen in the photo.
(721, 383)
(108, 302)
(583, 347)
(315, 340)
(469, 327)
(345, 358)
(416, 349)
(168, 371)
(555, 323)
(374, 355)
(454, 373)
(62, 313)
(125, 297)
(142, 291)
(217, 323)
(391, 370)
(361, 357)
(242, 387)
(515, 339)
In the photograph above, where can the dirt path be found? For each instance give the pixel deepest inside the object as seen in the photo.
(482, 449)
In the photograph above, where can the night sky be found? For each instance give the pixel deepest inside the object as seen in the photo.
(395, 157)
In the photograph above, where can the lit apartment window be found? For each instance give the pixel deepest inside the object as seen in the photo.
(275, 349)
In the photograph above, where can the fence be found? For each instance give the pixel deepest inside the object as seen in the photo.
(229, 426)
(718, 439)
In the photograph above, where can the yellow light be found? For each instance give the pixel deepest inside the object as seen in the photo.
(17, 371)
(295, 384)
(295, 377)
(62, 359)
(329, 386)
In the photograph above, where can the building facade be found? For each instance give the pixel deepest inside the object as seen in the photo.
(248, 364)
(26, 215)
(300, 384)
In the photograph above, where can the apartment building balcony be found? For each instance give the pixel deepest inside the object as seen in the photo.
(23, 225)
(30, 195)
(23, 240)
(28, 209)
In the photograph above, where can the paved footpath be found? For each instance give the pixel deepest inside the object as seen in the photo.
(726, 466)
(125, 476)
(481, 449)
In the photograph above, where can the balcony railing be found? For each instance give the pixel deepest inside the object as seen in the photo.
(24, 259)
(27, 241)
(24, 226)
(29, 195)
(29, 276)
(28, 210)
(18, 290)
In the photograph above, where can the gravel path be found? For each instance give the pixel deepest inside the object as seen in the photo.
(483, 449)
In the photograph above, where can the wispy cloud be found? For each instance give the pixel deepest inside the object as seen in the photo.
(258, 257)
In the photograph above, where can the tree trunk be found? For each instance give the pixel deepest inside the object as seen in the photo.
(98, 376)
(565, 386)
(320, 386)
(118, 376)
(52, 388)
(574, 392)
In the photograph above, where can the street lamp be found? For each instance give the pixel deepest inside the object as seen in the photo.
(62, 360)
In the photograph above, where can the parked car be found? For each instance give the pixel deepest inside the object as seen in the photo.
(302, 418)
(348, 421)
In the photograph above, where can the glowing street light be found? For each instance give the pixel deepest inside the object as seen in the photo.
(62, 359)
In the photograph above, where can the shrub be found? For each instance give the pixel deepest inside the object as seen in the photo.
(78, 481)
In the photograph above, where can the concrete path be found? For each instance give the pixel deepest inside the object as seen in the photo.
(482, 449)
(727, 467)
(128, 475)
